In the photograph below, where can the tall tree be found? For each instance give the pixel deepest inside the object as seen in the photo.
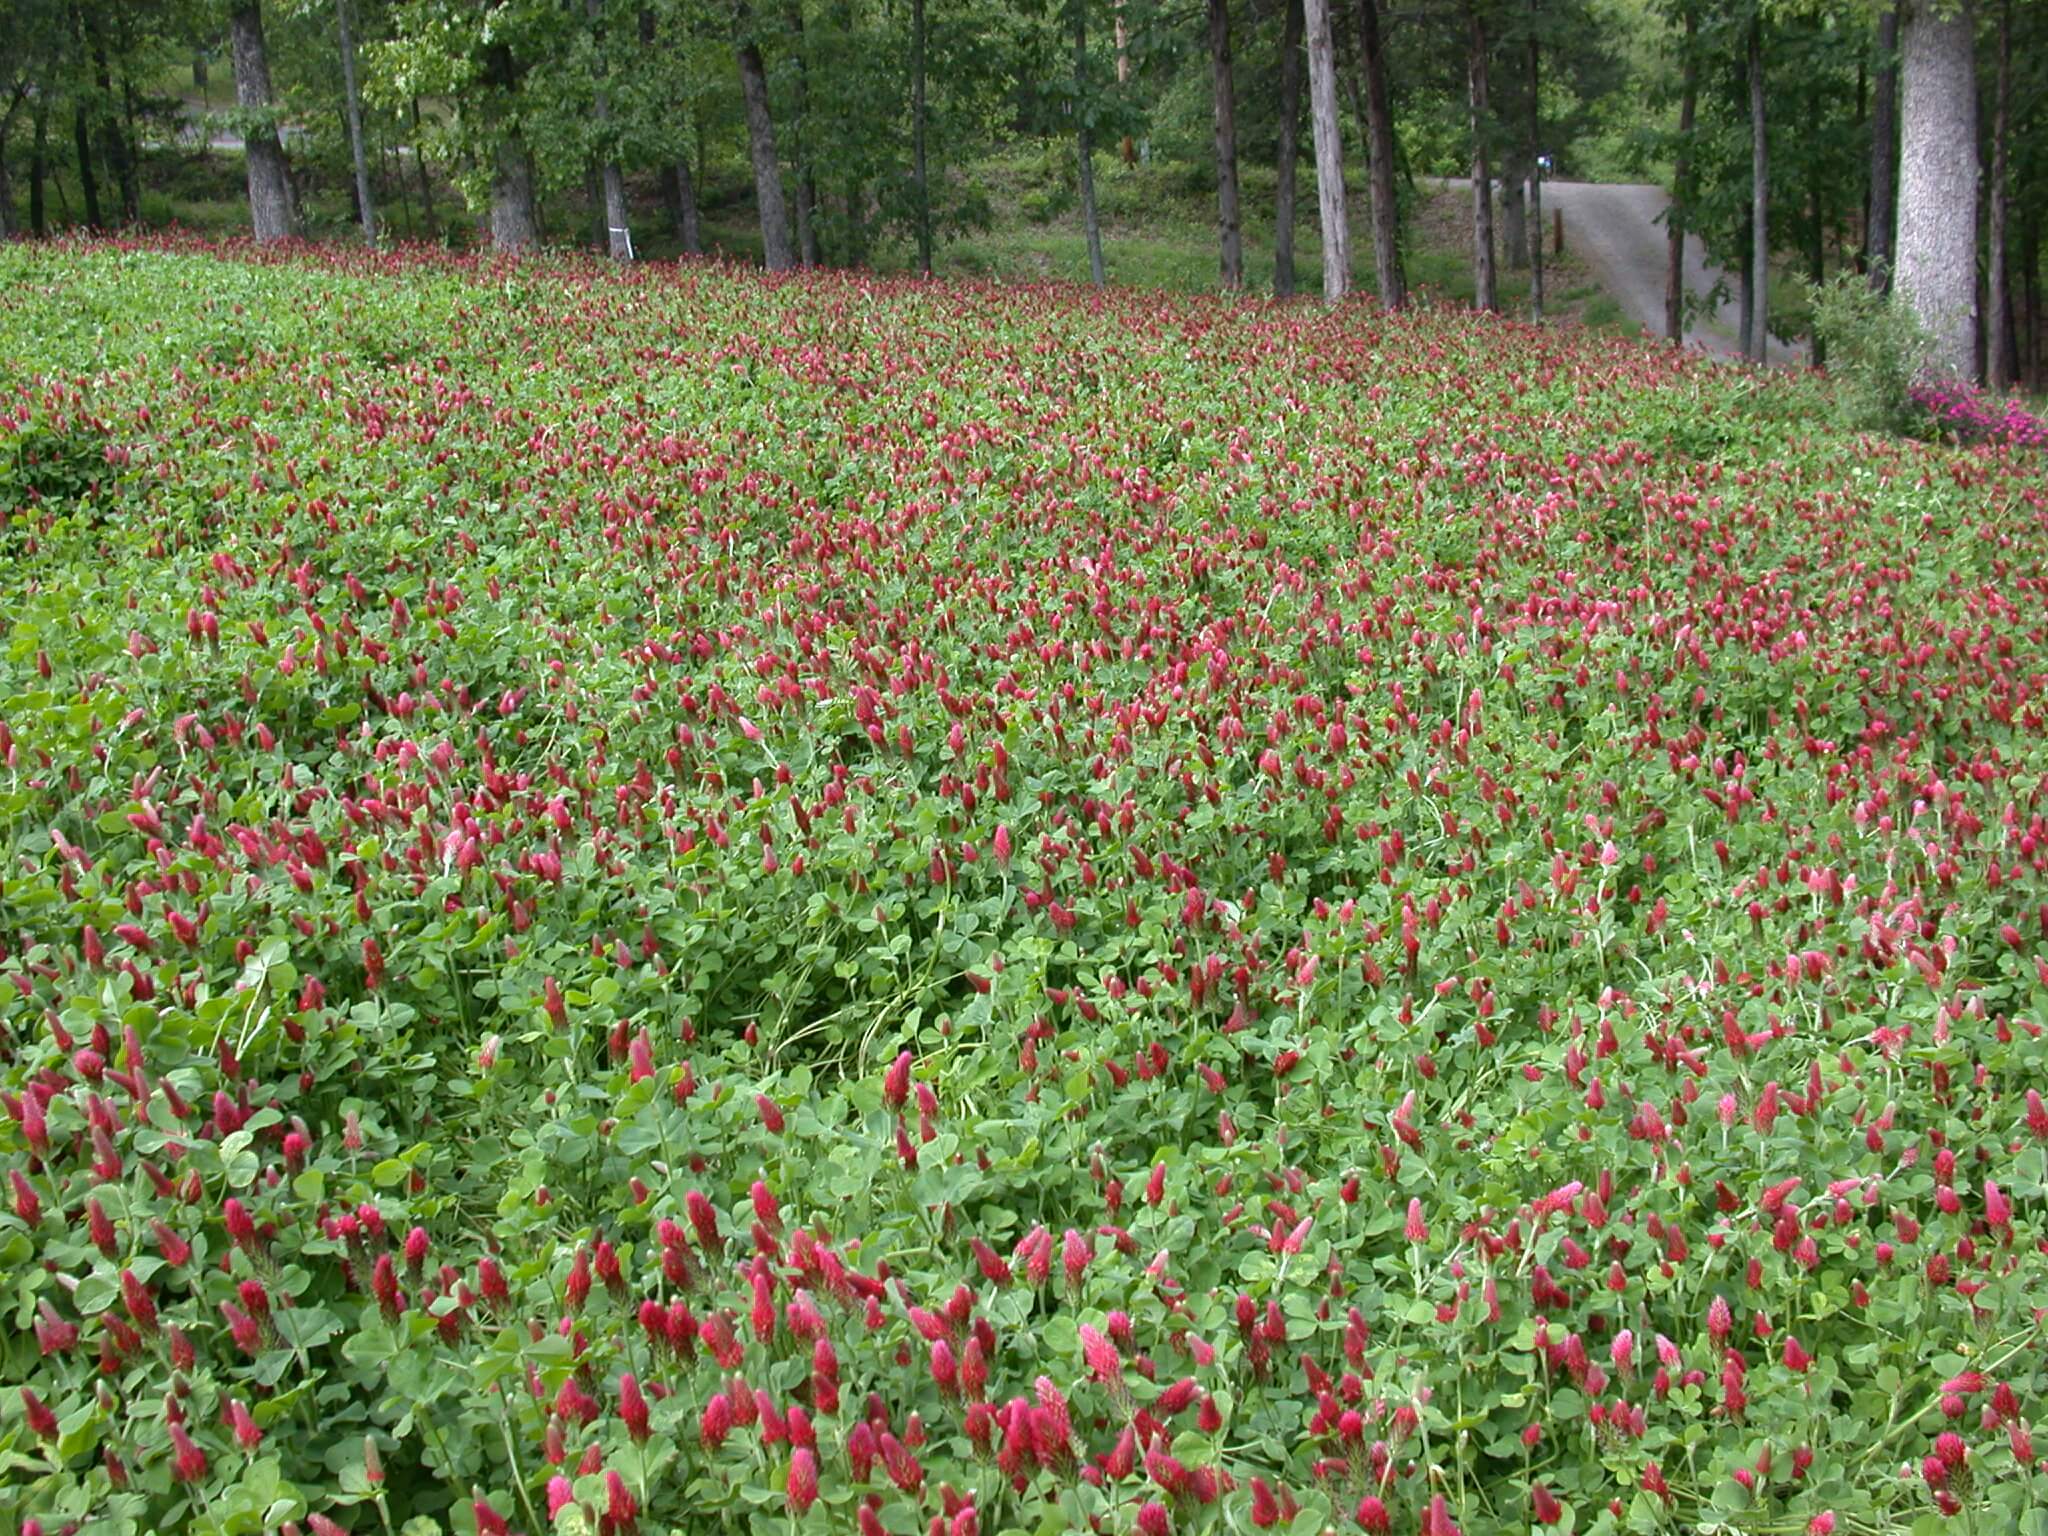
(2001, 353)
(775, 246)
(1379, 155)
(1676, 215)
(1485, 294)
(1228, 228)
(920, 164)
(419, 163)
(515, 218)
(88, 177)
(1323, 123)
(618, 218)
(1884, 149)
(1084, 141)
(352, 106)
(1538, 162)
(678, 185)
(1288, 153)
(270, 200)
(805, 206)
(1759, 329)
(115, 147)
(1936, 260)
(10, 113)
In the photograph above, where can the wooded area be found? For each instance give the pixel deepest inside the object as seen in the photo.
(1909, 143)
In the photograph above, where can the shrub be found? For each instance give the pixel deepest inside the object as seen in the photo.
(1965, 413)
(1876, 349)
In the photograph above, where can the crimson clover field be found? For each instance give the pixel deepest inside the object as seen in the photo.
(666, 901)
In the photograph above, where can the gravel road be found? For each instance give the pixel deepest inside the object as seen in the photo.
(1616, 231)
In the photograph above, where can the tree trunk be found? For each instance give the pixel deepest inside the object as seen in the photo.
(1379, 154)
(515, 218)
(1122, 39)
(2030, 296)
(1289, 150)
(114, 146)
(1884, 145)
(1935, 262)
(775, 246)
(1759, 198)
(419, 160)
(1681, 185)
(1514, 212)
(806, 208)
(1228, 229)
(920, 169)
(131, 162)
(1745, 291)
(2002, 369)
(1817, 229)
(1536, 160)
(270, 193)
(515, 221)
(88, 177)
(352, 101)
(618, 219)
(1485, 294)
(7, 226)
(679, 192)
(1084, 145)
(1322, 111)
(38, 169)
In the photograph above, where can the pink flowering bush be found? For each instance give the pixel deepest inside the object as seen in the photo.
(1962, 412)
(667, 900)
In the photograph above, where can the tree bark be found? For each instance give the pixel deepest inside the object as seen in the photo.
(1936, 255)
(1681, 185)
(775, 246)
(679, 193)
(1084, 145)
(920, 168)
(515, 219)
(1816, 227)
(353, 105)
(7, 229)
(114, 146)
(1745, 290)
(1759, 198)
(14, 101)
(1485, 293)
(618, 218)
(38, 169)
(1322, 111)
(270, 195)
(419, 160)
(805, 210)
(1289, 150)
(1535, 169)
(1884, 145)
(1379, 154)
(1228, 224)
(2030, 296)
(88, 177)
(1514, 212)
(1121, 36)
(2002, 365)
